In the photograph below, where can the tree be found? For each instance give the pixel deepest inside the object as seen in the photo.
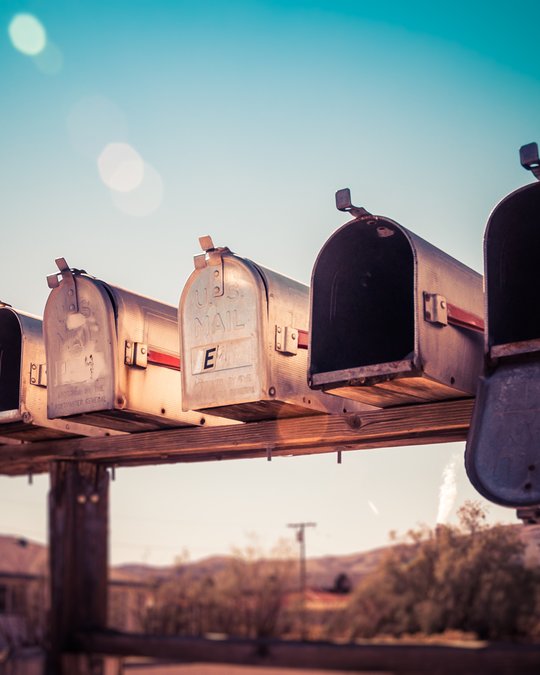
(469, 578)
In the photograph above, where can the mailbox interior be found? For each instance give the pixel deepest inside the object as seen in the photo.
(512, 255)
(363, 298)
(10, 365)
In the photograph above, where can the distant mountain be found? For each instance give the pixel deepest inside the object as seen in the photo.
(21, 556)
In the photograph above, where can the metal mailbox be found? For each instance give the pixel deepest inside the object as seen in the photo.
(394, 320)
(23, 382)
(112, 356)
(502, 456)
(244, 341)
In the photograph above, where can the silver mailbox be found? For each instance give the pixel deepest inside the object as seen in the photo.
(502, 456)
(112, 356)
(394, 320)
(244, 341)
(23, 382)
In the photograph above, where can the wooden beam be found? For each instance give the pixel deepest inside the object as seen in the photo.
(78, 559)
(476, 658)
(407, 425)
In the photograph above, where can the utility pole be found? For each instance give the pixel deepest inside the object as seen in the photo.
(301, 539)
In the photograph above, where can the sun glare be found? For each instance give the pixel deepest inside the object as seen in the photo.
(27, 34)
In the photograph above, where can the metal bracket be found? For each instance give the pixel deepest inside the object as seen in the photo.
(435, 308)
(136, 354)
(344, 203)
(38, 374)
(529, 158)
(287, 340)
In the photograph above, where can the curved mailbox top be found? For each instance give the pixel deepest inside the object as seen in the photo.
(394, 319)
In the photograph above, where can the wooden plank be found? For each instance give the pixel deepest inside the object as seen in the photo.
(500, 659)
(78, 558)
(407, 425)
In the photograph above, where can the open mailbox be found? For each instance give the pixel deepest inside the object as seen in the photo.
(502, 456)
(394, 320)
(112, 356)
(23, 382)
(244, 341)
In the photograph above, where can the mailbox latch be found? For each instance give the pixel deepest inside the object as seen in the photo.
(38, 374)
(435, 308)
(136, 354)
(287, 340)
(438, 310)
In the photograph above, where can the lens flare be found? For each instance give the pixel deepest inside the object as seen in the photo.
(27, 34)
(50, 60)
(121, 167)
(145, 199)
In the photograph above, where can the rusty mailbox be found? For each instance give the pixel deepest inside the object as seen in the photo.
(502, 455)
(244, 341)
(112, 356)
(394, 320)
(23, 382)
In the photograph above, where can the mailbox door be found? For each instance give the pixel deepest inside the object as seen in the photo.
(224, 320)
(502, 456)
(80, 343)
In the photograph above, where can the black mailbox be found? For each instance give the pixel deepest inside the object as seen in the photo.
(394, 320)
(502, 456)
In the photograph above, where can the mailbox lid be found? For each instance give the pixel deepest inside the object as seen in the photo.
(223, 317)
(81, 347)
(512, 261)
(502, 455)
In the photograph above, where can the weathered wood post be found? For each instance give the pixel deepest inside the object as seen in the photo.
(78, 550)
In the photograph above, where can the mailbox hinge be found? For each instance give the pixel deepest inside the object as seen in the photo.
(38, 374)
(136, 354)
(287, 340)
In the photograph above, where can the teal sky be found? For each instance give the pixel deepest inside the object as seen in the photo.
(247, 117)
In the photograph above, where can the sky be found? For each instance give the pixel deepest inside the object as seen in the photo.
(129, 129)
